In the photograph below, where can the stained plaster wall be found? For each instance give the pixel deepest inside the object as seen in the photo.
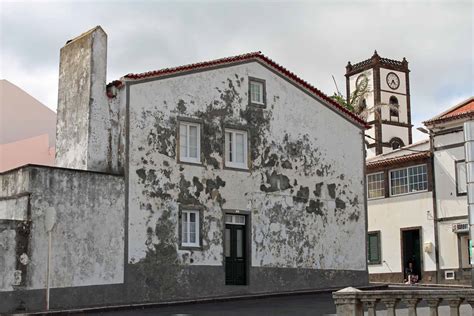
(304, 189)
(88, 125)
(88, 238)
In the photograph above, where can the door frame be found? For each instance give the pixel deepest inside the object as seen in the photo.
(248, 241)
(420, 233)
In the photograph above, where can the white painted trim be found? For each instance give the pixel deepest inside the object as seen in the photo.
(182, 158)
(186, 214)
(377, 197)
(260, 84)
(234, 164)
(408, 180)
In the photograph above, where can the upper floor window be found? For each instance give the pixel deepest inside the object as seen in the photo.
(189, 142)
(394, 108)
(190, 228)
(376, 185)
(461, 186)
(408, 180)
(257, 91)
(236, 149)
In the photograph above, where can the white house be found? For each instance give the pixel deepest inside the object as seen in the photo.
(417, 206)
(447, 134)
(401, 218)
(221, 178)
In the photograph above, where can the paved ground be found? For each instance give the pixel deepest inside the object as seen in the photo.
(300, 305)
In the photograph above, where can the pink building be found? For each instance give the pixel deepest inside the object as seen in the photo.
(27, 129)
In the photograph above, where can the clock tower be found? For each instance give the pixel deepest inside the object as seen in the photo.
(387, 101)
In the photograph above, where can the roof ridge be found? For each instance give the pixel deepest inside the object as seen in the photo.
(191, 65)
(256, 55)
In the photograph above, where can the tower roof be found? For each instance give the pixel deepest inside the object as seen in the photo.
(374, 61)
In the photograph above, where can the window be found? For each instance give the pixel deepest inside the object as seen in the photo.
(461, 187)
(190, 228)
(235, 219)
(189, 142)
(256, 91)
(408, 180)
(394, 112)
(376, 185)
(236, 149)
(373, 248)
(396, 143)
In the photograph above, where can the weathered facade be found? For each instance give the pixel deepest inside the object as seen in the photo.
(271, 200)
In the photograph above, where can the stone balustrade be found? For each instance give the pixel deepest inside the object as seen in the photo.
(351, 301)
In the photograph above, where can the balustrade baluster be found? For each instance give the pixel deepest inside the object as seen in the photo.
(391, 305)
(433, 303)
(371, 304)
(411, 304)
(454, 303)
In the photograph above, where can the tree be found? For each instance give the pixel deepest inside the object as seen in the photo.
(357, 100)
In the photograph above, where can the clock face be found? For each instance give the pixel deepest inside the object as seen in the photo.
(393, 81)
(361, 81)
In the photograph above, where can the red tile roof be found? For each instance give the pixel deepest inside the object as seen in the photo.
(462, 110)
(397, 160)
(258, 56)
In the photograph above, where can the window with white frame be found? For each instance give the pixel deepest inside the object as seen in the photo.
(190, 228)
(461, 186)
(189, 142)
(236, 149)
(408, 180)
(376, 185)
(257, 89)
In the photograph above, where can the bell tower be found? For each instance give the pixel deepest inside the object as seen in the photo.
(387, 101)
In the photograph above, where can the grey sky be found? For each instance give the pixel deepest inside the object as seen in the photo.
(313, 39)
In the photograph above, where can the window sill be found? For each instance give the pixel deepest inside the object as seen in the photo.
(258, 105)
(190, 247)
(376, 198)
(234, 168)
(190, 163)
(408, 193)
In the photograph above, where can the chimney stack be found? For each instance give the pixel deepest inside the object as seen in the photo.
(83, 122)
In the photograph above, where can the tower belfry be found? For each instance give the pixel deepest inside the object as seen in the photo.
(387, 101)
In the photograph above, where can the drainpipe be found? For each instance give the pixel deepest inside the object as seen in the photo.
(435, 205)
(469, 155)
(435, 208)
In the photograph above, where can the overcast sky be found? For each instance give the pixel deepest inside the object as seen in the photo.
(313, 39)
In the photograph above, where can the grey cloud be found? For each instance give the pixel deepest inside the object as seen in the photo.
(313, 39)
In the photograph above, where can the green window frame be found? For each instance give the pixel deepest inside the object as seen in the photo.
(373, 248)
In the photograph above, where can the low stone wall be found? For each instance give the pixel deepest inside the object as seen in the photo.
(351, 301)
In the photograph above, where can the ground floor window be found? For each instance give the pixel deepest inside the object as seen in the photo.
(373, 248)
(190, 228)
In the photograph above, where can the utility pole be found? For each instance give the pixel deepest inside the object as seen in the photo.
(469, 156)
